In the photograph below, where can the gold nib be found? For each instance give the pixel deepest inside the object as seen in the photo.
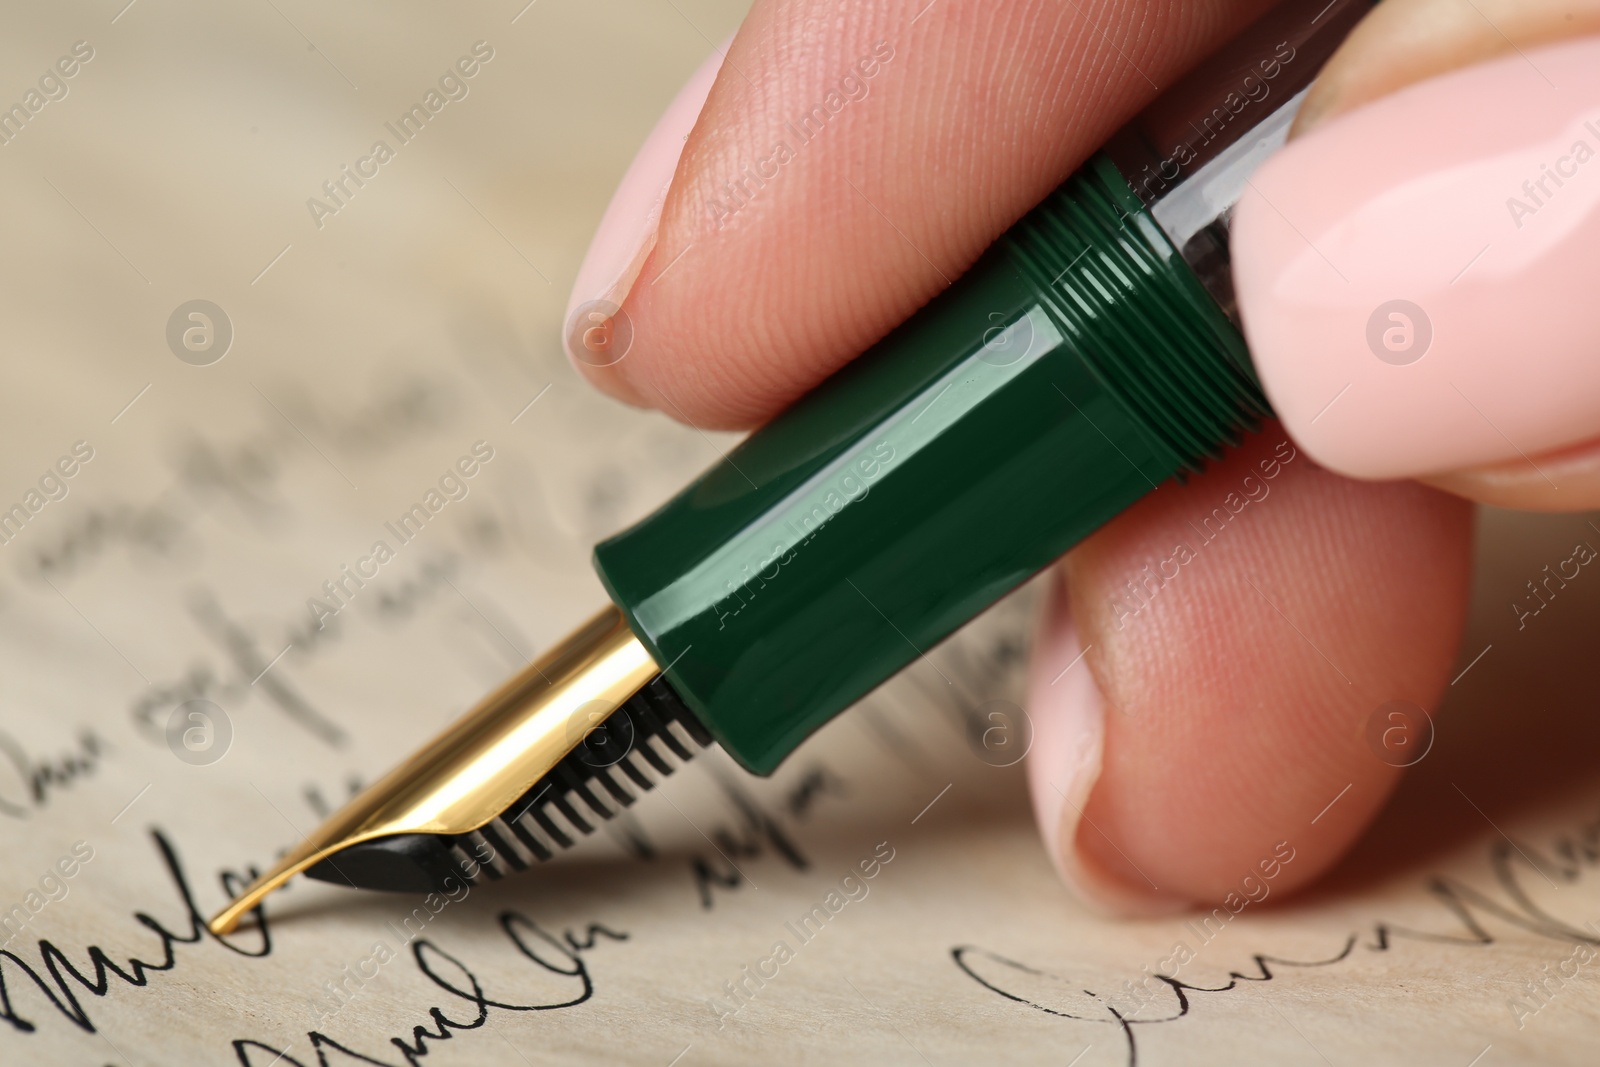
(484, 760)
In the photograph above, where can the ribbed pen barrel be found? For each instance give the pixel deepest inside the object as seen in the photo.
(1074, 368)
(1137, 316)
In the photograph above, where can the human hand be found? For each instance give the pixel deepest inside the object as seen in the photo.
(1208, 725)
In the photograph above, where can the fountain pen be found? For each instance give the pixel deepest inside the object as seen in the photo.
(1091, 353)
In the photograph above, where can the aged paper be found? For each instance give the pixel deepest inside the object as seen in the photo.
(881, 899)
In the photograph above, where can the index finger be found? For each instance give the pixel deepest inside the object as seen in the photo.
(848, 163)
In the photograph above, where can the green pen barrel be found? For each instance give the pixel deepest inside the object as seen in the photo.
(1074, 368)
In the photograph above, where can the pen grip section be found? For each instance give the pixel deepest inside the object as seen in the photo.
(1074, 368)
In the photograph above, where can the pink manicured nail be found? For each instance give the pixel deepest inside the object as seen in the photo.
(595, 333)
(1417, 278)
(1068, 717)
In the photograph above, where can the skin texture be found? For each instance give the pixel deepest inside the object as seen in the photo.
(1233, 706)
(1237, 700)
(996, 101)
(1405, 41)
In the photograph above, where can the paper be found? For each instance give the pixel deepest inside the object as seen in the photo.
(881, 899)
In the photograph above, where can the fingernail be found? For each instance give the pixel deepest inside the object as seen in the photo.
(1416, 276)
(1068, 717)
(596, 334)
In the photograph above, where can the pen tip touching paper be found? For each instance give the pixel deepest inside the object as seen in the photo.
(575, 738)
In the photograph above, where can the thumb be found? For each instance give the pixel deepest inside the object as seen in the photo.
(1413, 269)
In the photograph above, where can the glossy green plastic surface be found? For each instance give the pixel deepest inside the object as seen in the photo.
(1074, 368)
